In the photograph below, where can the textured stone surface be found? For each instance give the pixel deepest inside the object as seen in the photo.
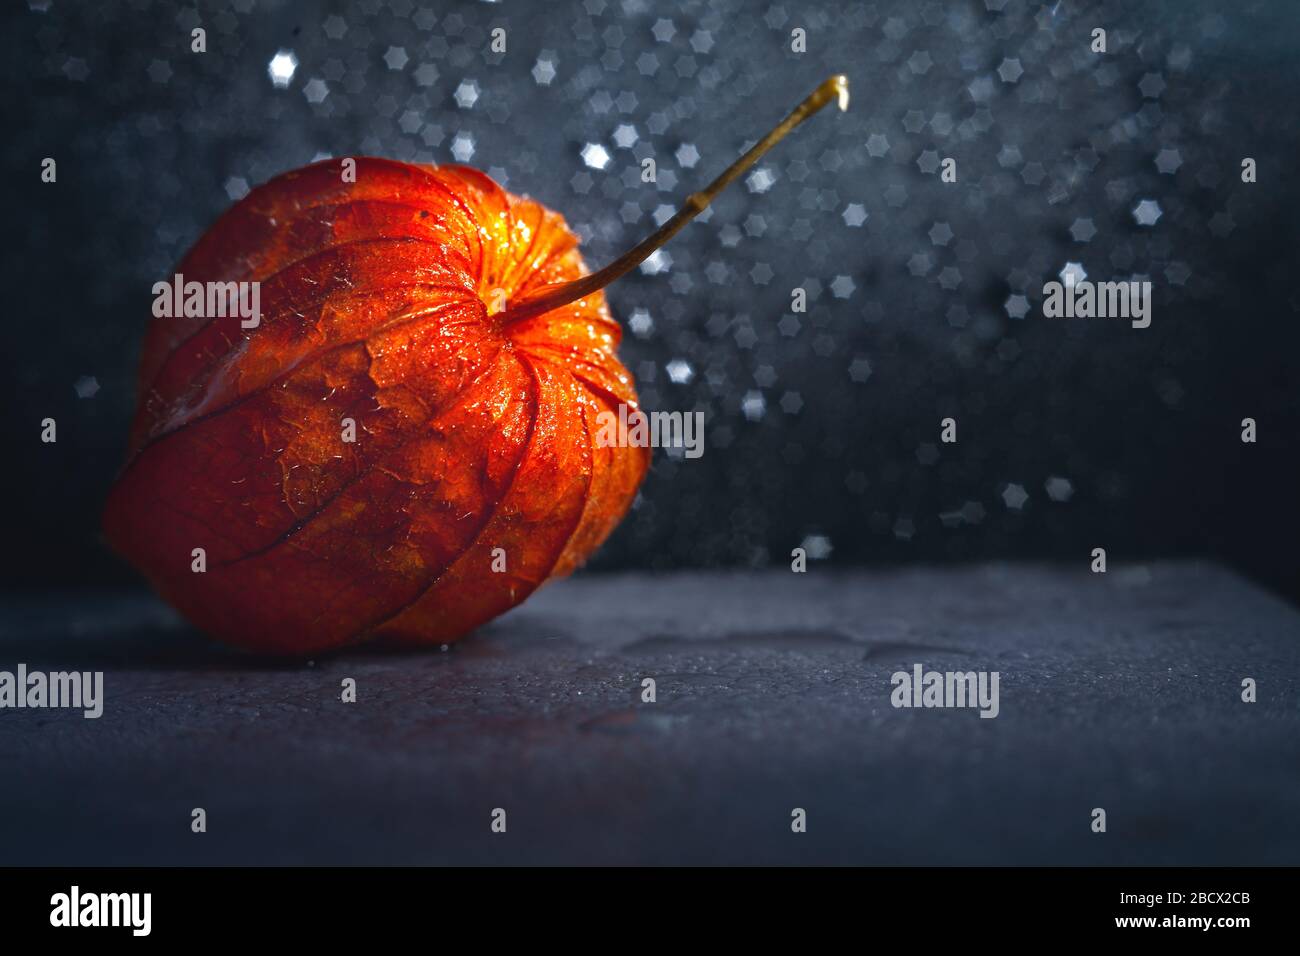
(1120, 691)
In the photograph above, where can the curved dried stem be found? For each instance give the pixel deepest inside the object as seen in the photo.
(836, 88)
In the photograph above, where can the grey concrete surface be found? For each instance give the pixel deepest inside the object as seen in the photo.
(1120, 691)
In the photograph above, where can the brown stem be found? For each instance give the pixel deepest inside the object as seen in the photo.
(560, 294)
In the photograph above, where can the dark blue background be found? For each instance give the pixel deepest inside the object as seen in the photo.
(153, 142)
